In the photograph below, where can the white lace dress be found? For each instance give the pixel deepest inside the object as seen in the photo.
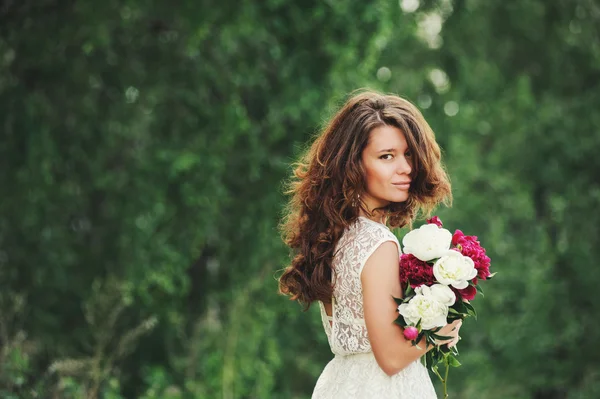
(354, 373)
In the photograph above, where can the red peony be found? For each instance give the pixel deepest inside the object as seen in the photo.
(435, 220)
(468, 293)
(469, 246)
(416, 271)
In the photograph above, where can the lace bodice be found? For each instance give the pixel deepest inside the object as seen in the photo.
(346, 330)
(354, 373)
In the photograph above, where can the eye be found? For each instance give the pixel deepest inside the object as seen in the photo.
(386, 155)
(408, 154)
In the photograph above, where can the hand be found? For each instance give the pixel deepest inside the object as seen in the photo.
(450, 330)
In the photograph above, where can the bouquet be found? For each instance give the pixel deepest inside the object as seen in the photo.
(440, 274)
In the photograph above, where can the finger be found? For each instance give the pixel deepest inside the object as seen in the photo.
(454, 342)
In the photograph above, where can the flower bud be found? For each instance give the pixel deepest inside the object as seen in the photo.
(411, 333)
(435, 220)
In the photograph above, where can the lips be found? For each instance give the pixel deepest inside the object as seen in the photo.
(402, 185)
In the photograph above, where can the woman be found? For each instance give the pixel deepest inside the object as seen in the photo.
(376, 164)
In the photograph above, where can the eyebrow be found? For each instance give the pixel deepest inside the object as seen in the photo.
(387, 150)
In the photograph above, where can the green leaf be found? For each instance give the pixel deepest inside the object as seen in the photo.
(399, 301)
(429, 359)
(400, 321)
(455, 316)
(468, 306)
(440, 337)
(479, 289)
(452, 361)
(459, 306)
(419, 336)
(437, 355)
(470, 310)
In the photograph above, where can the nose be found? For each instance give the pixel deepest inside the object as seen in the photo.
(404, 167)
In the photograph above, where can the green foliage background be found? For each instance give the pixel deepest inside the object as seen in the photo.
(143, 145)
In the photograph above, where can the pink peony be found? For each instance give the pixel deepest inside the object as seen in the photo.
(416, 271)
(411, 333)
(435, 220)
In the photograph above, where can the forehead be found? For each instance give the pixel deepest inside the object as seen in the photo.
(386, 137)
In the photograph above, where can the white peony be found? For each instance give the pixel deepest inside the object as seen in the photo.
(454, 269)
(427, 242)
(429, 305)
(443, 294)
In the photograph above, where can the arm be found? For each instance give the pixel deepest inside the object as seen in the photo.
(380, 281)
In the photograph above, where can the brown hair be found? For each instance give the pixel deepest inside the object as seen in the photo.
(329, 179)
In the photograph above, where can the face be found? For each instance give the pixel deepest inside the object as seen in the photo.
(387, 163)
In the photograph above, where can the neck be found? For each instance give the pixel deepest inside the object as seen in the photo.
(371, 208)
(375, 215)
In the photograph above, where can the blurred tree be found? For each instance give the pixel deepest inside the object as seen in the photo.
(512, 89)
(143, 145)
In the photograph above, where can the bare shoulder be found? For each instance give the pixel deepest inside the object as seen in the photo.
(387, 252)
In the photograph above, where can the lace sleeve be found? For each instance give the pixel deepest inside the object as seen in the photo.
(375, 243)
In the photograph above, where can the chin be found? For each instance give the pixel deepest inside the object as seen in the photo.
(399, 198)
(399, 201)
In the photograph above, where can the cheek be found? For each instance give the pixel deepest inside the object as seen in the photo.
(376, 175)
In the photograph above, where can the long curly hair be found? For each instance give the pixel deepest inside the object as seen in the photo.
(329, 178)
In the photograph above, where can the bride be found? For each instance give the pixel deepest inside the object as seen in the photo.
(375, 166)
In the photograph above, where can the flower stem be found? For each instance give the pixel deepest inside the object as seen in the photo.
(445, 380)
